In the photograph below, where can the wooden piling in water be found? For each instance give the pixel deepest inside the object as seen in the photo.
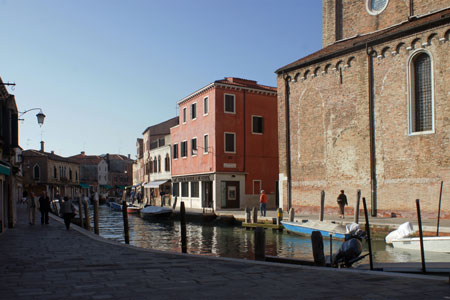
(87, 225)
(183, 228)
(255, 215)
(358, 199)
(419, 220)
(317, 247)
(369, 241)
(247, 215)
(322, 204)
(96, 230)
(80, 211)
(291, 214)
(126, 228)
(260, 244)
(279, 216)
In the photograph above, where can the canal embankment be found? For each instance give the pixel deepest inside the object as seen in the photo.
(49, 262)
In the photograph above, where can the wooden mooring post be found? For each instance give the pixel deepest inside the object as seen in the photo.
(358, 199)
(87, 224)
(255, 215)
(322, 204)
(248, 218)
(291, 214)
(317, 247)
(369, 241)
(80, 211)
(279, 215)
(96, 230)
(419, 220)
(183, 228)
(126, 229)
(260, 244)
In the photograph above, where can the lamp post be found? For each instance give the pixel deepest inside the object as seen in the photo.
(40, 115)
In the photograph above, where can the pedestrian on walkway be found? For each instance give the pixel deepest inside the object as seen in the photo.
(31, 206)
(67, 211)
(342, 202)
(263, 203)
(24, 197)
(44, 207)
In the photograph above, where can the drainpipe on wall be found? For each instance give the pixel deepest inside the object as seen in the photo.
(373, 171)
(287, 79)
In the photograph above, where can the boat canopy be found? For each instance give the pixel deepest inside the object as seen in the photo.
(154, 184)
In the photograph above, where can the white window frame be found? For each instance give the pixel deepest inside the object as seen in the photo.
(205, 147)
(225, 142)
(181, 154)
(192, 105)
(411, 95)
(260, 186)
(206, 100)
(372, 12)
(184, 116)
(225, 102)
(196, 146)
(178, 151)
(253, 131)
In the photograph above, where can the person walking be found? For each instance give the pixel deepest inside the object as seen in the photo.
(263, 203)
(31, 205)
(44, 207)
(67, 211)
(342, 202)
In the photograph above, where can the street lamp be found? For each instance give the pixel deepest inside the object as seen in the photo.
(40, 116)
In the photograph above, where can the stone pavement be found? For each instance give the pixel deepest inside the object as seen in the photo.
(48, 262)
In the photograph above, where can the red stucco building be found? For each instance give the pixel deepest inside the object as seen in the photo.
(225, 148)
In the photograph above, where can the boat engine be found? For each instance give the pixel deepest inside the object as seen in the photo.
(350, 250)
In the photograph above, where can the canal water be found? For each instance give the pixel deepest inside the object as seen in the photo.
(235, 241)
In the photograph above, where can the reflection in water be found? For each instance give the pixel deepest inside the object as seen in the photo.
(236, 242)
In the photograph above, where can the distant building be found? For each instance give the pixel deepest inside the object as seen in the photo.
(370, 111)
(93, 173)
(138, 165)
(157, 161)
(10, 159)
(44, 171)
(120, 173)
(225, 148)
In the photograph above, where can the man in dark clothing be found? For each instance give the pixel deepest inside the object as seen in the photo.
(342, 201)
(44, 207)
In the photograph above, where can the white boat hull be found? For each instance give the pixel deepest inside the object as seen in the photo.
(433, 244)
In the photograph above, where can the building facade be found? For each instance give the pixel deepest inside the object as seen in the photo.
(46, 171)
(370, 110)
(224, 150)
(93, 173)
(10, 159)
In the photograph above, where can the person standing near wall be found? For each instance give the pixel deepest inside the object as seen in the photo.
(31, 205)
(342, 202)
(44, 207)
(67, 211)
(263, 203)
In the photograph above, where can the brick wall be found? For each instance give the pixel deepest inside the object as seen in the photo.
(356, 19)
(329, 124)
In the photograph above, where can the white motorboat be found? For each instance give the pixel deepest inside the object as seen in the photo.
(433, 244)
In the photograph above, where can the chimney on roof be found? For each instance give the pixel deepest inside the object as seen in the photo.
(83, 153)
(240, 80)
(52, 152)
(129, 156)
(42, 146)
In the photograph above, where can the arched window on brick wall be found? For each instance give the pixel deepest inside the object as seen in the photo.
(421, 106)
(36, 172)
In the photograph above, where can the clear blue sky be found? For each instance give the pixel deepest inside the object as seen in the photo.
(104, 70)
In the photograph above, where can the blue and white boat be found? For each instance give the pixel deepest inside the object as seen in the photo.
(326, 228)
(115, 206)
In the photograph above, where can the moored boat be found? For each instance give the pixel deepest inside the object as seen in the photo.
(149, 212)
(326, 228)
(115, 206)
(133, 209)
(433, 244)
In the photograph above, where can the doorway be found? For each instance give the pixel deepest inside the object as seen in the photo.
(207, 200)
(232, 194)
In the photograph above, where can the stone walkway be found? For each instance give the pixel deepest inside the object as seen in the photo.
(48, 262)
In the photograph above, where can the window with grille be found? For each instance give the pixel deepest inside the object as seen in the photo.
(421, 94)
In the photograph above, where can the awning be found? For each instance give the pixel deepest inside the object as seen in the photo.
(5, 170)
(84, 185)
(154, 184)
(122, 187)
(107, 186)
